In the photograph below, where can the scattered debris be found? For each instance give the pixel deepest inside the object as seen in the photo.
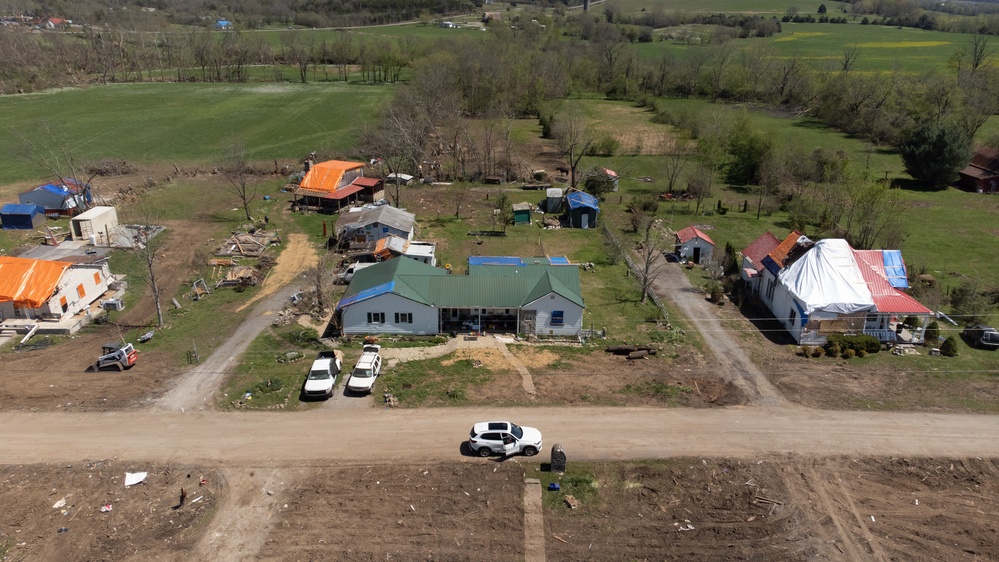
(560, 539)
(105, 508)
(390, 400)
(246, 244)
(60, 503)
(571, 502)
(180, 501)
(133, 478)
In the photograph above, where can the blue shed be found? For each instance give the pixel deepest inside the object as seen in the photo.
(583, 209)
(21, 217)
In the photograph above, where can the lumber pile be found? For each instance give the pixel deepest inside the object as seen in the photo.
(246, 244)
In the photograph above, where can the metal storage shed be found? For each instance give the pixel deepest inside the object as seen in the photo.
(22, 217)
(97, 225)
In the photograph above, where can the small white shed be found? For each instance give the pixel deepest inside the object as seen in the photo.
(96, 225)
(694, 245)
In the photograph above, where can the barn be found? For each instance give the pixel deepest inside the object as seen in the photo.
(583, 209)
(981, 175)
(67, 198)
(96, 225)
(21, 217)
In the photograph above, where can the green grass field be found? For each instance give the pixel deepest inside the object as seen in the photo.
(184, 122)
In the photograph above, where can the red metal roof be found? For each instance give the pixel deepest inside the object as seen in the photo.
(338, 194)
(367, 182)
(760, 248)
(690, 233)
(886, 298)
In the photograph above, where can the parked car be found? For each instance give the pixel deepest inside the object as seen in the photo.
(322, 375)
(504, 438)
(347, 274)
(985, 337)
(367, 369)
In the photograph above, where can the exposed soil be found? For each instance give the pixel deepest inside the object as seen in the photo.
(772, 508)
(147, 521)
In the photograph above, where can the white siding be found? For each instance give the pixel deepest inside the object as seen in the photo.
(355, 317)
(687, 249)
(377, 231)
(782, 308)
(67, 287)
(572, 315)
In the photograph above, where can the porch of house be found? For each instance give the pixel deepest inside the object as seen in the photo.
(490, 320)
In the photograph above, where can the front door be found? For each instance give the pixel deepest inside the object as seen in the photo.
(697, 255)
(584, 220)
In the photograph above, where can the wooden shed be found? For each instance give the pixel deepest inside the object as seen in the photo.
(521, 213)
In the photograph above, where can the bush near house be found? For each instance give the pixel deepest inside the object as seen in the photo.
(949, 347)
(857, 343)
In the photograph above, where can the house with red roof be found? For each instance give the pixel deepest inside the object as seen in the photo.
(752, 260)
(982, 173)
(820, 288)
(693, 245)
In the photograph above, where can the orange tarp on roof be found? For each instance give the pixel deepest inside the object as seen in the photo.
(29, 283)
(325, 176)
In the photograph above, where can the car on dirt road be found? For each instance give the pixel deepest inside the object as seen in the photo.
(985, 337)
(503, 438)
(367, 369)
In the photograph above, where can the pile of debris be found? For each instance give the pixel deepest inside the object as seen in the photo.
(551, 223)
(246, 244)
(632, 351)
(239, 276)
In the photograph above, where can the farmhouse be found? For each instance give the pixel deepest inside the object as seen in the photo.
(365, 225)
(826, 287)
(582, 210)
(21, 217)
(67, 198)
(982, 174)
(752, 260)
(692, 244)
(49, 290)
(332, 184)
(533, 296)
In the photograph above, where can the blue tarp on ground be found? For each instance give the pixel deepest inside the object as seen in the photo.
(21, 217)
(895, 268)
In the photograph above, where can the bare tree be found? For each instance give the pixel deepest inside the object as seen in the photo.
(650, 251)
(674, 150)
(572, 137)
(322, 280)
(700, 185)
(849, 58)
(237, 171)
(456, 196)
(144, 217)
(50, 148)
(979, 50)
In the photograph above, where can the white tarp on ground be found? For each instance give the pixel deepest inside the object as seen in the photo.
(827, 279)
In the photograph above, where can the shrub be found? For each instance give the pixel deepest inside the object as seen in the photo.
(806, 351)
(849, 354)
(949, 347)
(932, 335)
(862, 353)
(816, 352)
(832, 349)
(858, 342)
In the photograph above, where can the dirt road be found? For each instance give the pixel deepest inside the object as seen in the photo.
(386, 435)
(734, 364)
(196, 388)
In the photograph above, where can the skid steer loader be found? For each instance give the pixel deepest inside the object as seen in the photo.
(116, 356)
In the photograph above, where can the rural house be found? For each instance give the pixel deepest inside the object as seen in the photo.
(391, 247)
(826, 287)
(21, 217)
(364, 225)
(333, 184)
(49, 290)
(982, 174)
(693, 245)
(532, 296)
(582, 210)
(67, 198)
(752, 260)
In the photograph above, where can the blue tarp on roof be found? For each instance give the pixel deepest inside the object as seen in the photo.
(367, 294)
(21, 217)
(579, 199)
(57, 189)
(495, 260)
(895, 268)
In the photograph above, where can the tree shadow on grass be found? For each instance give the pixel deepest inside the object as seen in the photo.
(908, 184)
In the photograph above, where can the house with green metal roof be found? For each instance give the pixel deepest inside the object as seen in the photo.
(533, 296)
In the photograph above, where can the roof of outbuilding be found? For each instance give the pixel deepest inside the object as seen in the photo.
(692, 232)
(325, 176)
(389, 216)
(579, 199)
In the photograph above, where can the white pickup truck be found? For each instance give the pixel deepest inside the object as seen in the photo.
(322, 375)
(367, 369)
(347, 273)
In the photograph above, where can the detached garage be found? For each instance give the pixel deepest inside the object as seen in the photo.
(22, 217)
(96, 225)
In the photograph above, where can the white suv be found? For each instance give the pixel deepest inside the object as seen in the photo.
(367, 369)
(500, 437)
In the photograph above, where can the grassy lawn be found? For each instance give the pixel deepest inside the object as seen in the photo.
(187, 123)
(445, 381)
(272, 371)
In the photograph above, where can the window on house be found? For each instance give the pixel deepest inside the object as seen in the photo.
(792, 318)
(97, 277)
(558, 318)
(376, 318)
(770, 288)
(403, 317)
(81, 291)
(63, 303)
